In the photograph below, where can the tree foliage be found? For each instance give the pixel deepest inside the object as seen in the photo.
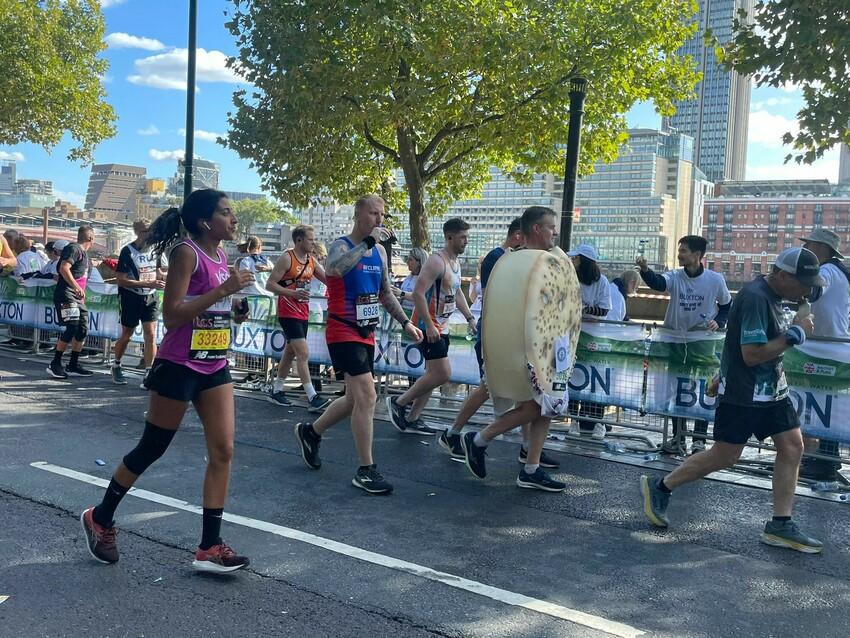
(805, 43)
(346, 92)
(51, 79)
(251, 212)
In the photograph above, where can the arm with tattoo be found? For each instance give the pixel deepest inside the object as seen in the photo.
(388, 299)
(341, 259)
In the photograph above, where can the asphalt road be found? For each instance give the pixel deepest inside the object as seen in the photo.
(445, 555)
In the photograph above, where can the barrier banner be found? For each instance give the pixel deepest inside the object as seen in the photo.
(617, 364)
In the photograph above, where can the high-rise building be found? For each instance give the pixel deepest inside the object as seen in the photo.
(240, 196)
(329, 220)
(642, 202)
(34, 187)
(112, 190)
(718, 117)
(7, 177)
(844, 165)
(205, 174)
(749, 223)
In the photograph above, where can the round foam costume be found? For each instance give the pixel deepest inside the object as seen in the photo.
(532, 311)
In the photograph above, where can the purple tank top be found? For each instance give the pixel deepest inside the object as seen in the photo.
(202, 343)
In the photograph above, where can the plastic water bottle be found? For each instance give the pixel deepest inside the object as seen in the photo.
(825, 486)
(651, 456)
(703, 325)
(787, 315)
(844, 497)
(804, 308)
(614, 447)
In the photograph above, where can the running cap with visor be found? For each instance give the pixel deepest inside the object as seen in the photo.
(585, 250)
(801, 263)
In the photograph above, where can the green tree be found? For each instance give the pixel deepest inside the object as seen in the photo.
(804, 43)
(345, 92)
(51, 79)
(251, 212)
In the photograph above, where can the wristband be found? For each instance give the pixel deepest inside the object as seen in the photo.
(795, 336)
(369, 241)
(404, 325)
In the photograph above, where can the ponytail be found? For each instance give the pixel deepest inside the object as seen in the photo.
(165, 230)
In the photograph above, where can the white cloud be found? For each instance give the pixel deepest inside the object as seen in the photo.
(168, 70)
(14, 155)
(150, 130)
(824, 168)
(70, 196)
(208, 136)
(166, 155)
(120, 40)
(773, 101)
(110, 3)
(767, 129)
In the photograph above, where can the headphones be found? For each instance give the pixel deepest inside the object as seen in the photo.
(206, 225)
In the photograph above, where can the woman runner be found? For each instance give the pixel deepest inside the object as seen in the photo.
(191, 365)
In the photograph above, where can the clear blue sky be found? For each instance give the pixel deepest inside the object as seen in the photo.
(147, 68)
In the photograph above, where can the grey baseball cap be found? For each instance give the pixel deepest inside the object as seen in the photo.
(801, 263)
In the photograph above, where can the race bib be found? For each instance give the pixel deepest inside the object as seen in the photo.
(449, 306)
(368, 310)
(69, 311)
(147, 274)
(211, 333)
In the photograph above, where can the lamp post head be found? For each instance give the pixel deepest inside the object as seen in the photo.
(578, 86)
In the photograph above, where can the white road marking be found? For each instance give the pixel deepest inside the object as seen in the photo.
(12, 426)
(494, 593)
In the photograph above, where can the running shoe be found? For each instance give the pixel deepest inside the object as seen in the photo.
(451, 444)
(655, 501)
(575, 430)
(539, 480)
(100, 541)
(418, 426)
(78, 370)
(370, 479)
(787, 534)
(317, 403)
(697, 446)
(56, 370)
(279, 397)
(397, 414)
(219, 559)
(546, 461)
(308, 442)
(474, 455)
(118, 375)
(598, 431)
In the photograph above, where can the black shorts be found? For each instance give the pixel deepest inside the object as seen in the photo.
(293, 328)
(173, 381)
(352, 357)
(69, 310)
(136, 308)
(437, 350)
(480, 357)
(736, 423)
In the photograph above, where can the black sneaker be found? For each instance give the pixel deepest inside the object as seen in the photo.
(474, 455)
(451, 444)
(545, 461)
(370, 479)
(309, 443)
(655, 501)
(279, 397)
(540, 480)
(317, 403)
(56, 370)
(78, 370)
(396, 413)
(418, 426)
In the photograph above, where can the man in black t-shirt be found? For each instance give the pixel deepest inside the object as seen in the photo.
(138, 280)
(753, 396)
(69, 301)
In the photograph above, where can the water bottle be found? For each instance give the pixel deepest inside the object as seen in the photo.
(825, 486)
(844, 497)
(787, 315)
(651, 456)
(804, 308)
(702, 325)
(614, 447)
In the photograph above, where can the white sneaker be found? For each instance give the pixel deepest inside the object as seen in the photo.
(574, 429)
(598, 431)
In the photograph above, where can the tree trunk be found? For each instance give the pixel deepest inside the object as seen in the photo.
(415, 190)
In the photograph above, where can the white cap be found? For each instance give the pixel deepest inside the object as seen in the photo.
(585, 250)
(60, 244)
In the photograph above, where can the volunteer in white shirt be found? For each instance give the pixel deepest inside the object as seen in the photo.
(699, 300)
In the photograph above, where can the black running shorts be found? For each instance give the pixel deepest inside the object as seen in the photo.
(436, 350)
(736, 423)
(173, 381)
(352, 358)
(136, 308)
(293, 329)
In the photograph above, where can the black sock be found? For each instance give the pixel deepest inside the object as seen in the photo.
(118, 363)
(57, 356)
(313, 432)
(663, 487)
(211, 530)
(105, 512)
(366, 467)
(74, 359)
(781, 519)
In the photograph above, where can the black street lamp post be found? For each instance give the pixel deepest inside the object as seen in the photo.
(190, 100)
(578, 91)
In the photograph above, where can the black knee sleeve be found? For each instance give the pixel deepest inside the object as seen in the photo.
(154, 442)
(68, 334)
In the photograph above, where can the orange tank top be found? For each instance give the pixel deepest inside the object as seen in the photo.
(298, 277)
